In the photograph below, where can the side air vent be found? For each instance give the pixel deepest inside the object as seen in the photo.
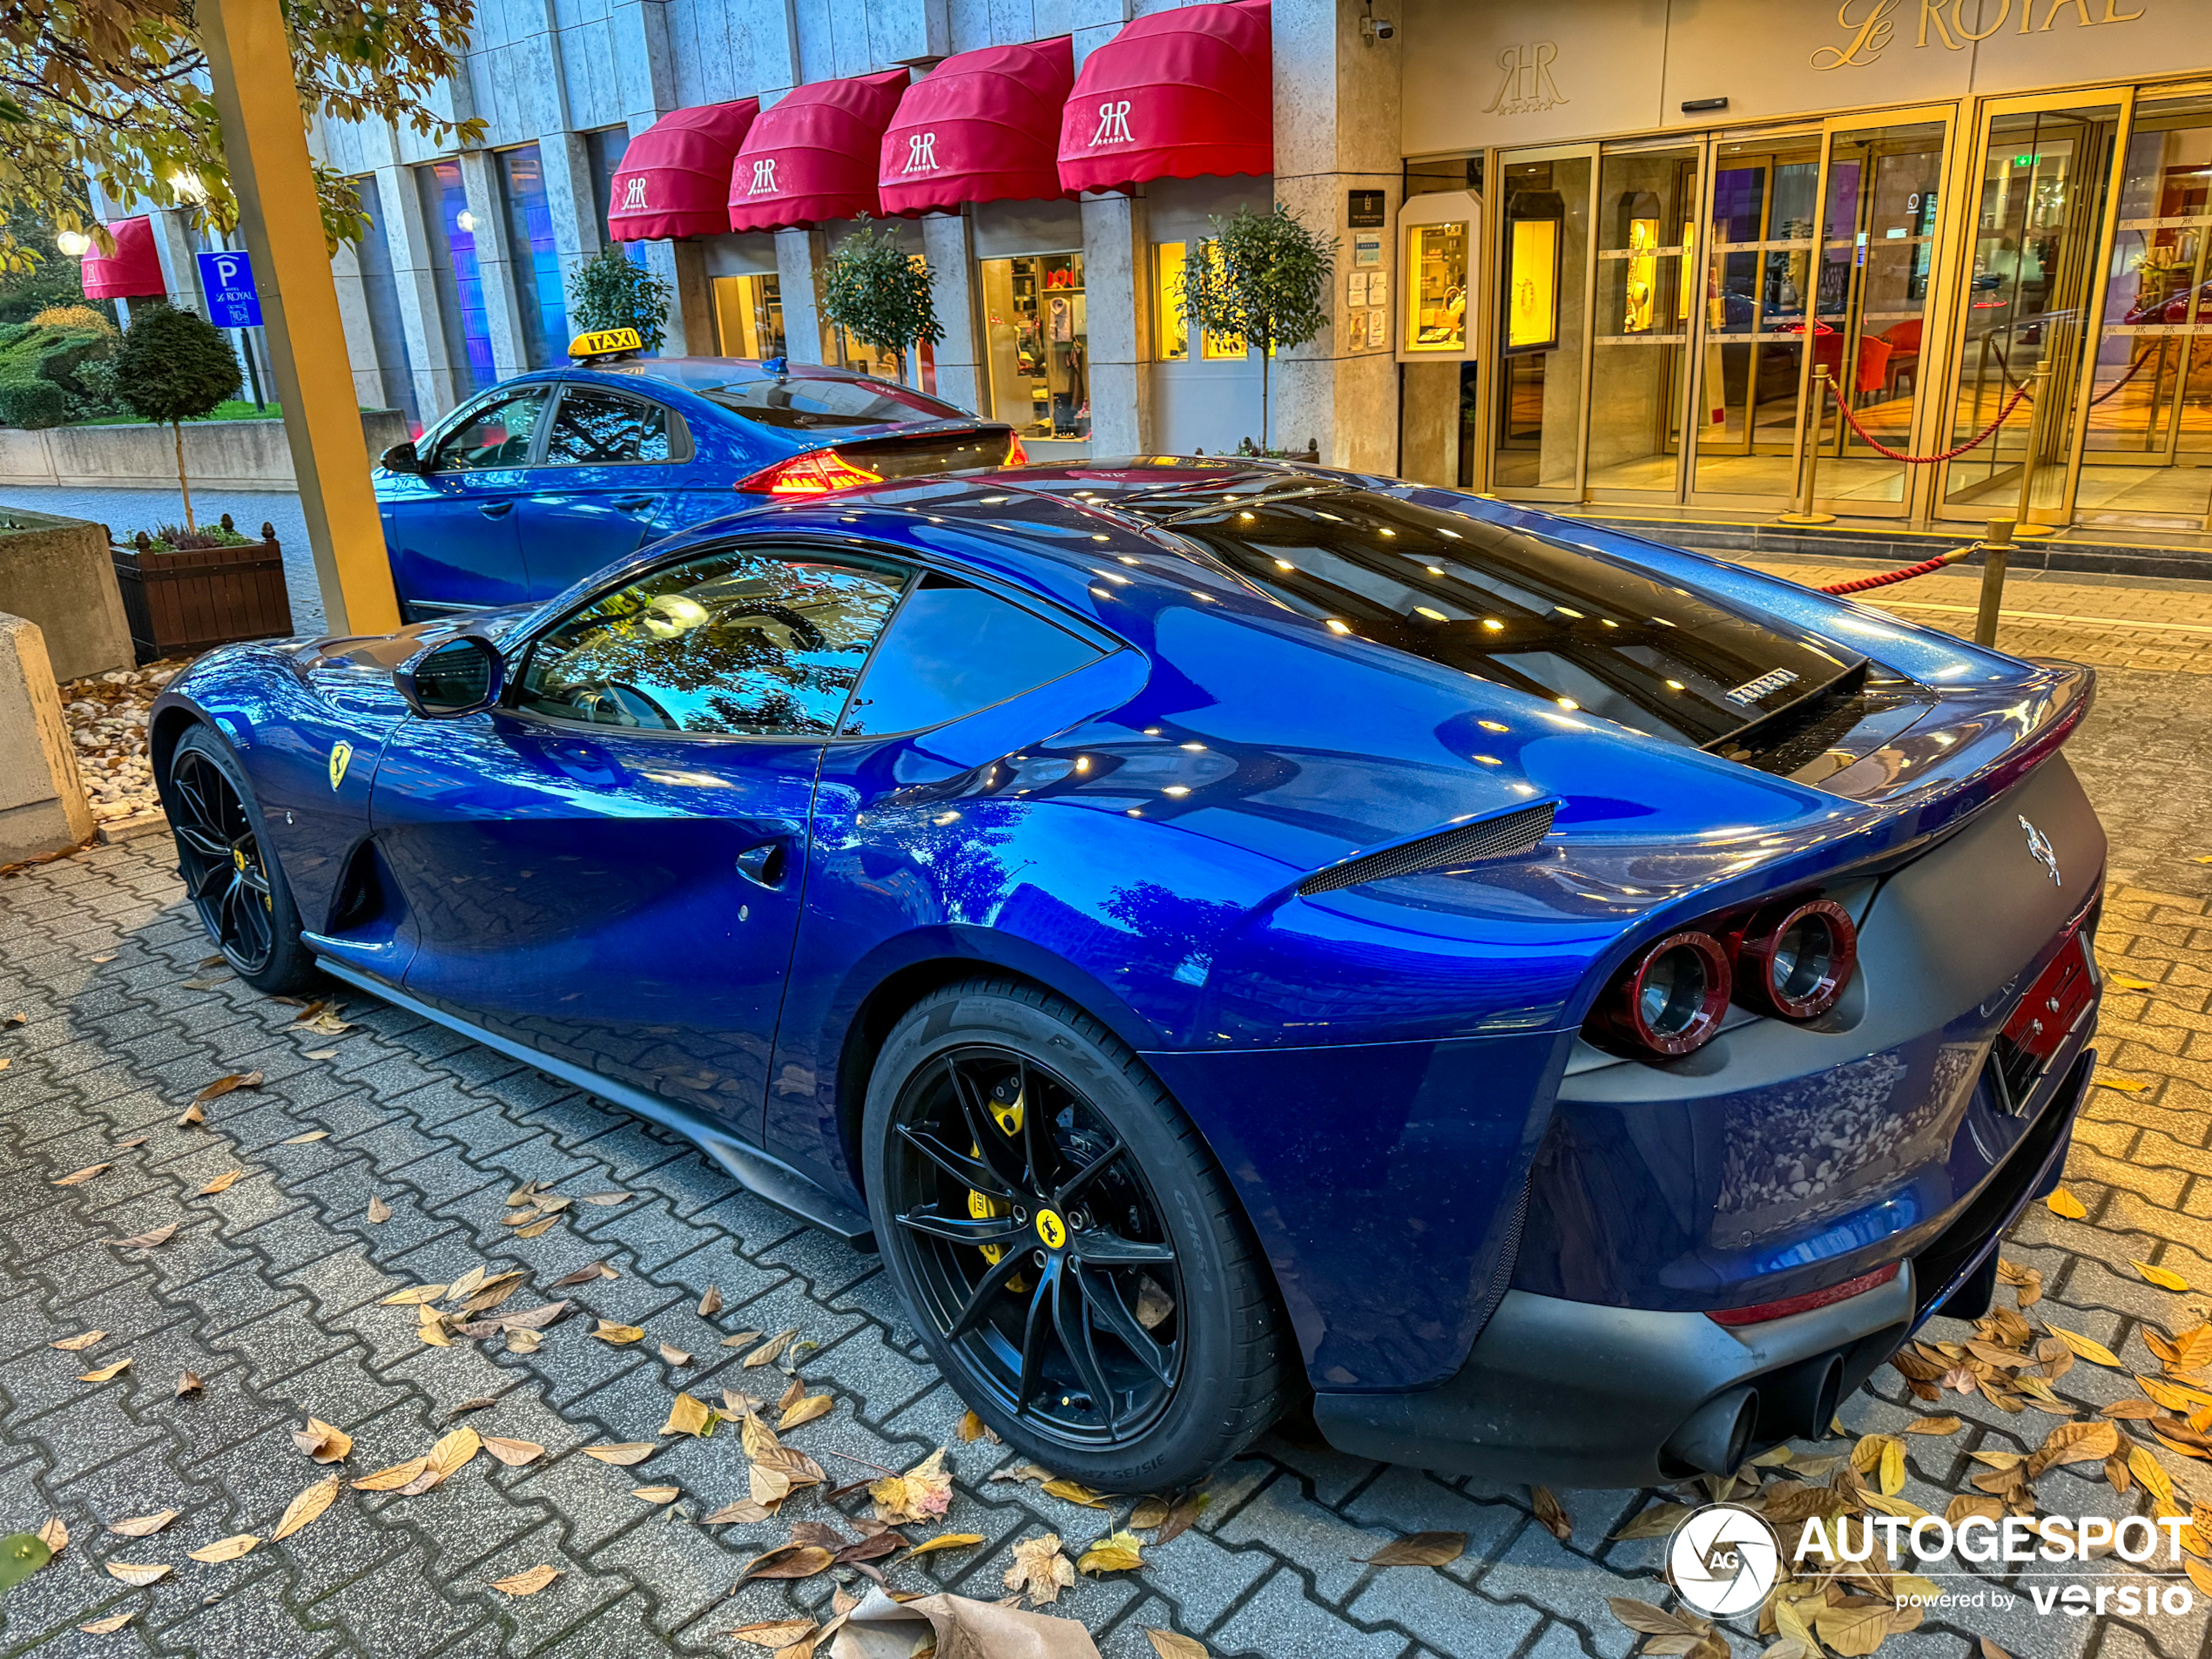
(1504, 837)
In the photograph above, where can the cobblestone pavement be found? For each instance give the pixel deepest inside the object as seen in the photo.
(271, 1291)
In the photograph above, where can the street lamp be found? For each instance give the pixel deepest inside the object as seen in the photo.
(73, 243)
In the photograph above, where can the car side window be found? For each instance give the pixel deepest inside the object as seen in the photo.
(597, 427)
(498, 435)
(742, 642)
(954, 650)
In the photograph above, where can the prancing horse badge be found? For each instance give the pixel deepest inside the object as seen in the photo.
(340, 754)
(2039, 848)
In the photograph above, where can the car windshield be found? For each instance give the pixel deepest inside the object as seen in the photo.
(810, 404)
(1505, 606)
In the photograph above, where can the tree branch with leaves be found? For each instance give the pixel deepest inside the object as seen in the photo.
(1262, 278)
(880, 293)
(119, 90)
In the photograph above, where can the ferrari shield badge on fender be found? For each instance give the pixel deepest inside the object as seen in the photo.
(2039, 848)
(342, 753)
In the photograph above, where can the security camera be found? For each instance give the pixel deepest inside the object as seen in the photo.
(1385, 28)
(1373, 29)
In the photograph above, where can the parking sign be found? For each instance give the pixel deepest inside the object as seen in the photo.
(227, 279)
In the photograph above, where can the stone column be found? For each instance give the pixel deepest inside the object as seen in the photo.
(948, 243)
(495, 264)
(179, 270)
(577, 233)
(1336, 131)
(353, 314)
(800, 254)
(439, 382)
(1117, 305)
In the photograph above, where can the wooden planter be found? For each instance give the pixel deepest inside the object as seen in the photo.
(182, 603)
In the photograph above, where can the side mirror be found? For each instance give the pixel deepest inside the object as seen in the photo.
(463, 676)
(401, 457)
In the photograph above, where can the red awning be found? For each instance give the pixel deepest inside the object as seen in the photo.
(981, 127)
(813, 156)
(134, 273)
(1180, 94)
(674, 180)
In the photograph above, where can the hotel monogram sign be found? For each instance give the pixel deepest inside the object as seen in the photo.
(1870, 27)
(1526, 86)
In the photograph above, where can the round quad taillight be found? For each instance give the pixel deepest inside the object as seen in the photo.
(1797, 957)
(1668, 1000)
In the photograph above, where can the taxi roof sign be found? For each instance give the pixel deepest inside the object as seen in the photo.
(605, 343)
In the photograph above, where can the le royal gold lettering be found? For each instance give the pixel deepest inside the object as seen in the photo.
(1869, 25)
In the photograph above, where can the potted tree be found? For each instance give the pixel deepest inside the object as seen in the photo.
(880, 293)
(610, 291)
(186, 588)
(1262, 278)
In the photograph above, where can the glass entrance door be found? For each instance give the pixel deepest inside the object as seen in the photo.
(1758, 292)
(2030, 296)
(1543, 330)
(1647, 231)
(2148, 443)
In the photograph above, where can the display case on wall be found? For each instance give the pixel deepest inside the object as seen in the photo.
(1437, 265)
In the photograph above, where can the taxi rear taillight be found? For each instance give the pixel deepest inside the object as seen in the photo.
(1015, 454)
(815, 472)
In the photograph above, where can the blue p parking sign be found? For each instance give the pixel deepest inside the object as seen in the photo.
(227, 279)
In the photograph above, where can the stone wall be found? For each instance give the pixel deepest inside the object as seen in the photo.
(57, 573)
(218, 454)
(42, 802)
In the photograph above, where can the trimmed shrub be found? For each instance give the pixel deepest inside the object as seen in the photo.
(75, 320)
(33, 404)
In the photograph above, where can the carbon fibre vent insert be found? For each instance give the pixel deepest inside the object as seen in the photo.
(1506, 836)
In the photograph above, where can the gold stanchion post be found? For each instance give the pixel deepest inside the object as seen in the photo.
(1807, 513)
(2041, 380)
(1996, 552)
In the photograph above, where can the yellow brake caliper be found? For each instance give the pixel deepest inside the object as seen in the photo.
(1008, 1115)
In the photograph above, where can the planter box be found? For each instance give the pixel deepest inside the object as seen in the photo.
(182, 603)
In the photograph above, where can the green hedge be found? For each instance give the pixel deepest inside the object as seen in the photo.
(32, 404)
(30, 353)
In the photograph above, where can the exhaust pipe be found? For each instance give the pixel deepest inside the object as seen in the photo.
(1802, 1400)
(1717, 1436)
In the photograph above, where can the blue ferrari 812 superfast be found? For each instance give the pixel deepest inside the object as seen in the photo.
(1230, 932)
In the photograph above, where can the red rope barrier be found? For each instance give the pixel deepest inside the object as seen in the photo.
(1859, 585)
(1979, 438)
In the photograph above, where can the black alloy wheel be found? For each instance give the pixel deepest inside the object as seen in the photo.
(221, 859)
(1077, 1262)
(1036, 1247)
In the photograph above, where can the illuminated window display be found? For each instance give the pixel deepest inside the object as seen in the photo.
(749, 316)
(1039, 344)
(1436, 288)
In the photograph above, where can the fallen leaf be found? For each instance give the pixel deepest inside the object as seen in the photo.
(143, 1526)
(302, 1140)
(474, 1403)
(921, 1492)
(1647, 1620)
(322, 1054)
(2062, 1203)
(2128, 982)
(1550, 1515)
(776, 1633)
(584, 1275)
(606, 1198)
(1854, 1628)
(972, 1428)
(2095, 1353)
(1118, 1552)
(744, 1510)
(945, 1541)
(528, 1583)
(223, 1086)
(1167, 1644)
(1040, 1570)
(787, 1560)
(193, 1116)
(414, 1294)
(628, 1452)
(2125, 1085)
(689, 1416)
(445, 1459)
(1935, 1426)
(54, 1535)
(710, 1304)
(524, 1340)
(77, 1344)
(136, 1140)
(617, 1335)
(740, 1338)
(1658, 1522)
(2090, 1442)
(398, 1475)
(106, 1627)
(2190, 1350)
(1990, 1651)
(657, 1494)
(2165, 1279)
(1018, 1471)
(323, 1442)
(108, 958)
(1072, 1492)
(2199, 1575)
(153, 1240)
(188, 1382)
(1420, 1549)
(674, 1355)
(106, 1372)
(537, 1229)
(135, 1575)
(222, 1183)
(770, 1351)
(807, 1411)
(305, 1508)
(513, 1453)
(77, 1178)
(226, 1549)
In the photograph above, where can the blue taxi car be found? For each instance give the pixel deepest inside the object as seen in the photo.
(527, 488)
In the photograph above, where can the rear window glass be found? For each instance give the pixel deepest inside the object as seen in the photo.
(954, 650)
(1517, 609)
(812, 405)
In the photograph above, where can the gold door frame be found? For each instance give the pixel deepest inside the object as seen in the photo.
(1494, 381)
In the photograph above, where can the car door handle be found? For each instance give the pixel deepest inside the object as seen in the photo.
(633, 503)
(496, 509)
(765, 864)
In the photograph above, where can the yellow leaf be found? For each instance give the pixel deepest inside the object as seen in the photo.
(222, 1183)
(1040, 1569)
(1072, 1492)
(135, 1575)
(1935, 1426)
(226, 1549)
(543, 1225)
(393, 1478)
(617, 1336)
(1888, 1505)
(77, 1178)
(1853, 1631)
(54, 1535)
(2091, 1442)
(2062, 1203)
(2147, 1469)
(2095, 1353)
(1420, 1549)
(2199, 1575)
(770, 1351)
(972, 1428)
(807, 1411)
(674, 1355)
(513, 1453)
(776, 1633)
(2125, 1085)
(305, 1507)
(1169, 1644)
(2127, 982)
(688, 1416)
(623, 1455)
(106, 1372)
(1893, 1467)
(1118, 1552)
(106, 1627)
(2165, 1279)
(302, 1140)
(455, 1450)
(924, 1491)
(143, 1526)
(528, 1583)
(945, 1541)
(414, 1294)
(323, 1442)
(657, 1494)
(73, 1345)
(2173, 1396)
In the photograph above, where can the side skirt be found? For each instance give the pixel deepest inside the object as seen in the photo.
(759, 1172)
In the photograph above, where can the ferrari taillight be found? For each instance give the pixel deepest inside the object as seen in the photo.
(1668, 1000)
(815, 472)
(1795, 957)
(1015, 454)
